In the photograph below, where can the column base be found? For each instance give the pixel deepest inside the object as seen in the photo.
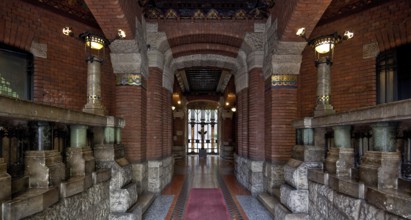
(160, 173)
(250, 174)
(380, 169)
(5, 183)
(95, 108)
(44, 168)
(340, 161)
(320, 111)
(80, 161)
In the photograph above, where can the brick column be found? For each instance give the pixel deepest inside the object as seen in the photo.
(256, 115)
(154, 114)
(167, 120)
(129, 61)
(131, 102)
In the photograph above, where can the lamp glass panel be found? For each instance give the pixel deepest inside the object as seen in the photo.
(324, 47)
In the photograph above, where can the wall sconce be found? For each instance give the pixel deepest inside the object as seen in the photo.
(179, 102)
(233, 109)
(173, 107)
(324, 45)
(227, 103)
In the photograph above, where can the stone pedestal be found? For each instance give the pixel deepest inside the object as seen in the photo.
(123, 191)
(5, 183)
(380, 169)
(44, 168)
(140, 176)
(273, 177)
(81, 161)
(340, 161)
(250, 174)
(160, 173)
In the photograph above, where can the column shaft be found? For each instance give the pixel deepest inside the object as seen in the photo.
(323, 106)
(94, 104)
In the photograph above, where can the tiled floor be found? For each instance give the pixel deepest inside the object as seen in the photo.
(212, 172)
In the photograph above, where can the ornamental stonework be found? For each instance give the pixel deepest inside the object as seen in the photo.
(284, 81)
(129, 79)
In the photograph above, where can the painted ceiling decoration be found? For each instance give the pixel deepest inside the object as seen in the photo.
(206, 9)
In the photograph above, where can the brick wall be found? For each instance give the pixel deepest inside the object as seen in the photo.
(61, 79)
(353, 78)
(154, 114)
(256, 114)
(131, 104)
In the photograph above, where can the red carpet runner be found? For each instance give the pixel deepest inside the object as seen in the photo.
(206, 204)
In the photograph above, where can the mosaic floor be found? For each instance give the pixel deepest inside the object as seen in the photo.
(212, 172)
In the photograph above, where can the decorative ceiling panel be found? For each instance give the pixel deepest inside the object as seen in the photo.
(203, 80)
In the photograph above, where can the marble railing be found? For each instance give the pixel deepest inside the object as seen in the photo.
(46, 165)
(367, 155)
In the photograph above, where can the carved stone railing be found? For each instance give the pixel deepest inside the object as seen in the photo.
(53, 169)
(371, 173)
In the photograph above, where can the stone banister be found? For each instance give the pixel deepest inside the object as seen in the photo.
(394, 111)
(27, 110)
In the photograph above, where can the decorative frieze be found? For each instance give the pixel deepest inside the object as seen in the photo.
(129, 79)
(284, 81)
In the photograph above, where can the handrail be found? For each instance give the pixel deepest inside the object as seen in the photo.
(28, 110)
(393, 111)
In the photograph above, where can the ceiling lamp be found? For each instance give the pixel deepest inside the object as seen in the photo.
(92, 40)
(324, 45)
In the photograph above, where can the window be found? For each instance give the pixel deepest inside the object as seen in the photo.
(394, 74)
(16, 68)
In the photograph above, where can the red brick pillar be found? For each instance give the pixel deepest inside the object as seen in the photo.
(154, 114)
(243, 121)
(130, 104)
(256, 115)
(239, 127)
(281, 110)
(167, 122)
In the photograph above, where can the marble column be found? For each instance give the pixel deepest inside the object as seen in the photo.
(94, 104)
(323, 106)
(80, 156)
(44, 166)
(381, 166)
(340, 158)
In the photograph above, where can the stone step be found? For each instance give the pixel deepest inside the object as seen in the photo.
(29, 203)
(276, 209)
(136, 211)
(122, 199)
(145, 200)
